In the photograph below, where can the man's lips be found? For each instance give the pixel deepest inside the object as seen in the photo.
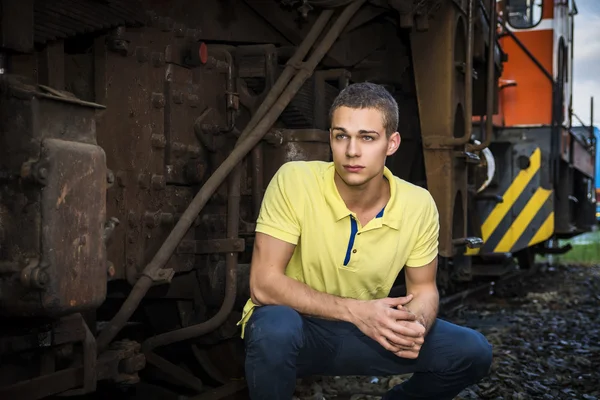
(353, 168)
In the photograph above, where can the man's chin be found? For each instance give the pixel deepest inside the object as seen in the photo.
(353, 179)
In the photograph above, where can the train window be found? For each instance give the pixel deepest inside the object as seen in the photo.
(524, 14)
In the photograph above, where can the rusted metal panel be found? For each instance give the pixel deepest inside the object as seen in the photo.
(54, 200)
(130, 82)
(73, 211)
(149, 131)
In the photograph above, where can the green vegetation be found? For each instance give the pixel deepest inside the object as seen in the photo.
(586, 250)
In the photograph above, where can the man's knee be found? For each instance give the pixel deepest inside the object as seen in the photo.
(475, 354)
(273, 331)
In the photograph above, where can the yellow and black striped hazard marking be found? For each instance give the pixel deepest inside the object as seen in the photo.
(524, 217)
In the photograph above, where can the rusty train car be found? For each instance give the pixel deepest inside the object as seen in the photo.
(138, 138)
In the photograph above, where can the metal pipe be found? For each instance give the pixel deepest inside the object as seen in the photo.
(489, 117)
(230, 85)
(253, 136)
(233, 205)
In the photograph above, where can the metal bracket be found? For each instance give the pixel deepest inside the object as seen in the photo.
(469, 157)
(471, 242)
(161, 276)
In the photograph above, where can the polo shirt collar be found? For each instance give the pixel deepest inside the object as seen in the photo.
(391, 213)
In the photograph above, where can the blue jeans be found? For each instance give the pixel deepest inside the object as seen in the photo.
(282, 345)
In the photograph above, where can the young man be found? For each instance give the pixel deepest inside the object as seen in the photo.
(331, 239)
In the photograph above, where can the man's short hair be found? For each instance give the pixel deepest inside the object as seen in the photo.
(369, 95)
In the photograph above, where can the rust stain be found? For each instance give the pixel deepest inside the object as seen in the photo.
(63, 194)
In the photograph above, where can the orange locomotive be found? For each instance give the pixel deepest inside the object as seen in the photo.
(543, 185)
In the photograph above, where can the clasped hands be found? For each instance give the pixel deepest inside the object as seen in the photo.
(392, 325)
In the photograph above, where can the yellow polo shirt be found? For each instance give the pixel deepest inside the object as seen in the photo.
(334, 253)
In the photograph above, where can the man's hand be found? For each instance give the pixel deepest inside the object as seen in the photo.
(384, 321)
(412, 352)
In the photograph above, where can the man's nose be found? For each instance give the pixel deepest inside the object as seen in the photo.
(352, 149)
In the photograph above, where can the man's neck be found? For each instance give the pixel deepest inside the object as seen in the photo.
(358, 199)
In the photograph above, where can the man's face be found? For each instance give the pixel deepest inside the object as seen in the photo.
(359, 144)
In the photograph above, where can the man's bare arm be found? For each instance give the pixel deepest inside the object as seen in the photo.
(421, 283)
(269, 286)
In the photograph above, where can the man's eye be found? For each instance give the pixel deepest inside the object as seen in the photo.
(368, 138)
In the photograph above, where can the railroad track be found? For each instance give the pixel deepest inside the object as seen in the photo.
(489, 286)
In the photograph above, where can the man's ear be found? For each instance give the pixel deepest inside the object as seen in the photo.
(393, 143)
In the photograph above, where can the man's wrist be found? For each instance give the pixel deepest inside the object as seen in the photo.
(348, 310)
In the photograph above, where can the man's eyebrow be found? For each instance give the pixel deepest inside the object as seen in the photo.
(366, 131)
(362, 131)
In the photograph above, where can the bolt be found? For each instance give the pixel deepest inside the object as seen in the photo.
(178, 148)
(158, 100)
(110, 271)
(110, 177)
(144, 181)
(193, 150)
(158, 182)
(151, 219)
(177, 97)
(193, 100)
(158, 141)
(41, 278)
(43, 173)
